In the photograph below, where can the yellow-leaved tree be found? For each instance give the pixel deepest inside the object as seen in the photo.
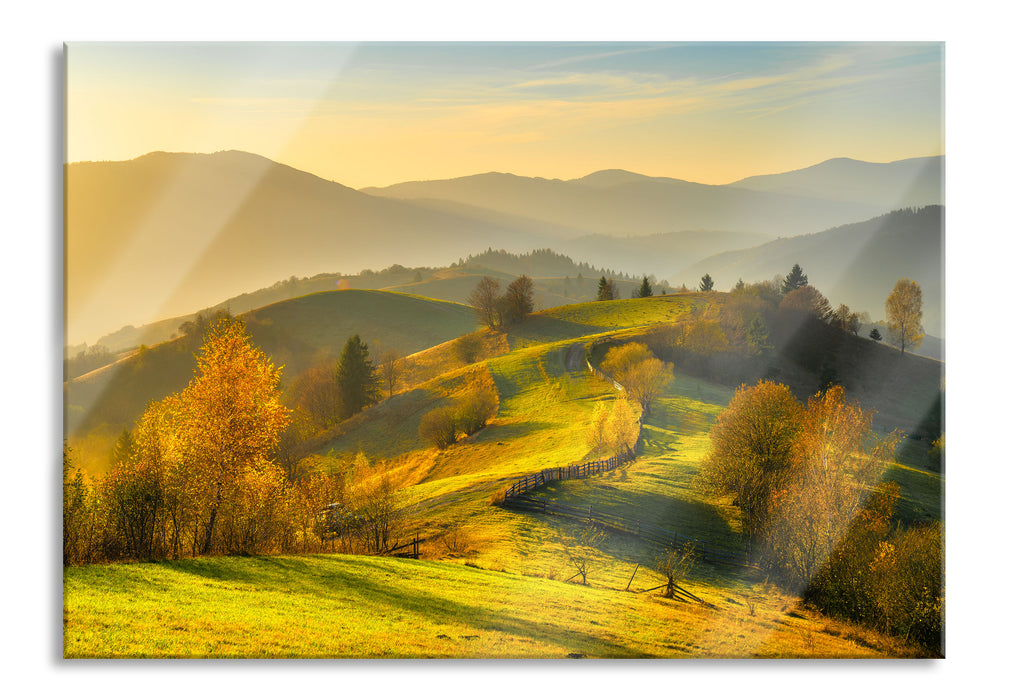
(642, 375)
(903, 315)
(205, 453)
(228, 421)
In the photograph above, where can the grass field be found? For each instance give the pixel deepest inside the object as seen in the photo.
(366, 607)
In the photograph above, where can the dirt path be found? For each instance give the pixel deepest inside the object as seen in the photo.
(574, 359)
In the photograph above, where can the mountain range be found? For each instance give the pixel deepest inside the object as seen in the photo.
(168, 233)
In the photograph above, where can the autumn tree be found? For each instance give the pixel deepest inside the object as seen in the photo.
(356, 378)
(315, 397)
(226, 423)
(903, 315)
(486, 302)
(634, 367)
(438, 427)
(752, 443)
(836, 461)
(707, 284)
(390, 370)
(795, 279)
(800, 475)
(808, 299)
(518, 299)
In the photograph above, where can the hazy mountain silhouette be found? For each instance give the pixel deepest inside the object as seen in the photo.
(168, 233)
(856, 264)
(914, 182)
(617, 202)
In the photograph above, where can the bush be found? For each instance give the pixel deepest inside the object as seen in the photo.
(467, 348)
(475, 409)
(438, 427)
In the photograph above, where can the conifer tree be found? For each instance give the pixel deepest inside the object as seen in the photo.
(793, 280)
(605, 290)
(707, 284)
(355, 377)
(645, 290)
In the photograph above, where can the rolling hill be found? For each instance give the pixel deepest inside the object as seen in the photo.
(558, 281)
(296, 334)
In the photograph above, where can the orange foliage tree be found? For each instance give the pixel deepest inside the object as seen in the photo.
(634, 367)
(800, 475)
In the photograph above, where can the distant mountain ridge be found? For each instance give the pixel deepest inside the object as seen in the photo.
(856, 264)
(620, 203)
(913, 182)
(167, 233)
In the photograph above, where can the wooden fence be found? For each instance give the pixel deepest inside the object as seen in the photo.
(581, 470)
(414, 549)
(646, 531)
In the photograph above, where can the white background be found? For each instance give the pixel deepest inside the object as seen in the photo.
(32, 256)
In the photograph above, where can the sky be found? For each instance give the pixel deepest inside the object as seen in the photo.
(374, 114)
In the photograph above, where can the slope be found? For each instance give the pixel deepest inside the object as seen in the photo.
(294, 333)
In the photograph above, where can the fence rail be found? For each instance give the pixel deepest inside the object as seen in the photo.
(580, 470)
(646, 531)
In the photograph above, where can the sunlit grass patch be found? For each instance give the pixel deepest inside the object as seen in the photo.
(364, 607)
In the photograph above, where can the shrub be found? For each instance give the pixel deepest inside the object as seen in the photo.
(438, 427)
(466, 348)
(474, 409)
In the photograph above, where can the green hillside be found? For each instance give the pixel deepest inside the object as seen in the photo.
(295, 333)
(494, 581)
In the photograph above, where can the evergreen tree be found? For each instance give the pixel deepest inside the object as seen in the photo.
(707, 284)
(757, 336)
(645, 290)
(875, 334)
(605, 290)
(356, 378)
(793, 280)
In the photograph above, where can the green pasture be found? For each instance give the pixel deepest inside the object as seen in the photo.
(329, 606)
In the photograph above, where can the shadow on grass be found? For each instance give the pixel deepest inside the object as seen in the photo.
(544, 329)
(381, 583)
(685, 517)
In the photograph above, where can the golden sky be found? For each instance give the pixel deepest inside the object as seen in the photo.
(375, 114)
